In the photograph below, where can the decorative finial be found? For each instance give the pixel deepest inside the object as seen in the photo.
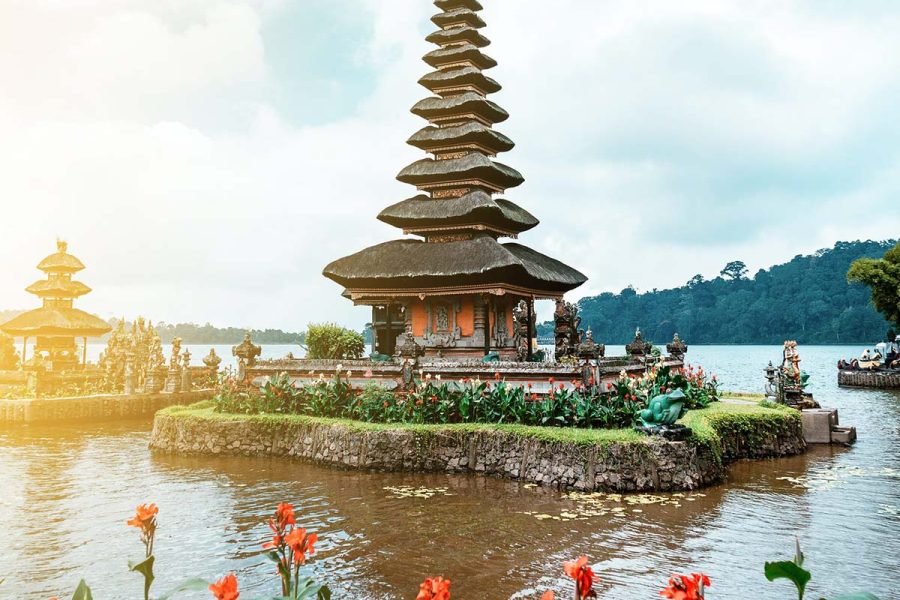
(62, 245)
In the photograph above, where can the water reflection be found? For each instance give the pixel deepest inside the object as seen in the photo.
(66, 493)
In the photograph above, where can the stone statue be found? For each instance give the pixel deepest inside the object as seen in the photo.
(407, 347)
(663, 410)
(566, 322)
(523, 331)
(175, 359)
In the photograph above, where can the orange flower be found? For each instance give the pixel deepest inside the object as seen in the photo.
(225, 588)
(583, 575)
(437, 588)
(548, 595)
(497, 376)
(144, 516)
(284, 514)
(682, 587)
(300, 544)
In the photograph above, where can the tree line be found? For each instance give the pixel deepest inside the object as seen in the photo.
(807, 299)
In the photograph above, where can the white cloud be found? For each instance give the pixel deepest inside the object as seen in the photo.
(658, 140)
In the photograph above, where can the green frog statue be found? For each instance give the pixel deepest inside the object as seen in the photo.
(661, 414)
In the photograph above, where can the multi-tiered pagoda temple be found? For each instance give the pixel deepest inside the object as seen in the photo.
(57, 324)
(457, 286)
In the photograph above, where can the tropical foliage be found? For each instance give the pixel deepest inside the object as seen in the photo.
(468, 400)
(882, 276)
(807, 299)
(327, 340)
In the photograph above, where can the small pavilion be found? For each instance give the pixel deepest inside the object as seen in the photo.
(455, 289)
(56, 325)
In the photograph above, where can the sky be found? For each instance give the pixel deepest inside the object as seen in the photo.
(207, 158)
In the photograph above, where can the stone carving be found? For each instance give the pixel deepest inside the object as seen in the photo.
(787, 384)
(588, 349)
(676, 348)
(446, 332)
(173, 379)
(246, 352)
(523, 330)
(408, 347)
(186, 371)
(566, 322)
(140, 345)
(638, 347)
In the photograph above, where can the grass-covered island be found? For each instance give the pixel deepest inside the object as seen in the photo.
(619, 459)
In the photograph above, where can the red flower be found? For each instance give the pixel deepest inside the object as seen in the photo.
(434, 589)
(548, 595)
(609, 386)
(284, 514)
(497, 376)
(434, 399)
(552, 380)
(583, 575)
(385, 403)
(419, 402)
(591, 381)
(301, 544)
(682, 587)
(225, 588)
(534, 396)
(662, 390)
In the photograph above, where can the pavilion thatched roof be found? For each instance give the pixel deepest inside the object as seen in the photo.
(56, 321)
(475, 207)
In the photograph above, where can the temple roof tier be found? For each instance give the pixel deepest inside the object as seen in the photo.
(472, 134)
(459, 108)
(476, 208)
(458, 35)
(413, 264)
(472, 169)
(448, 5)
(461, 54)
(454, 81)
(58, 288)
(56, 321)
(458, 16)
(60, 261)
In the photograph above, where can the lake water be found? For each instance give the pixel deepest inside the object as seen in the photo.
(66, 491)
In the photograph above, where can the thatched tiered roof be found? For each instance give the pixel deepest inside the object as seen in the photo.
(57, 317)
(457, 215)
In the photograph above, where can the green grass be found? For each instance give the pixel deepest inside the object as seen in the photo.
(706, 424)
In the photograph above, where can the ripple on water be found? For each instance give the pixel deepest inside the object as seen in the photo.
(66, 493)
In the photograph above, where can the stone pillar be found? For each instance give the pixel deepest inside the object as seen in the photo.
(479, 314)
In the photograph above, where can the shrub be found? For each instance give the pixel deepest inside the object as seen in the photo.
(9, 358)
(330, 341)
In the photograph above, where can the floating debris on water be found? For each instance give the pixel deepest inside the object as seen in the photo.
(599, 504)
(407, 491)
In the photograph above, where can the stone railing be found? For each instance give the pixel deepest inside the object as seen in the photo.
(93, 408)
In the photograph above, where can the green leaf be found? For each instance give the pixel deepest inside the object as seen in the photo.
(145, 568)
(82, 592)
(185, 586)
(789, 570)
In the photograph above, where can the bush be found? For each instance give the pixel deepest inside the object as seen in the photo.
(330, 341)
(699, 390)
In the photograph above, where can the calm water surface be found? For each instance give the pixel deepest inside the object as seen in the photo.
(65, 493)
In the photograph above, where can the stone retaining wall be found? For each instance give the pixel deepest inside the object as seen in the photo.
(648, 465)
(870, 379)
(93, 408)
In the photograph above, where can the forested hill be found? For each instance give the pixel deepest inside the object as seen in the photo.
(807, 299)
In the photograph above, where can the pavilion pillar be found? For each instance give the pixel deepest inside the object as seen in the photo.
(24, 349)
(530, 304)
(390, 341)
(84, 353)
(487, 326)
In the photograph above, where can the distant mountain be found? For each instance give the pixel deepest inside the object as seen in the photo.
(191, 333)
(807, 299)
